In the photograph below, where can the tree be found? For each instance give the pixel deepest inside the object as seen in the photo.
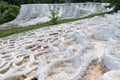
(3, 6)
(113, 3)
(10, 13)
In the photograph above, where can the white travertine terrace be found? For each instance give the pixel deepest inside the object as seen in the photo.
(112, 75)
(70, 51)
(32, 14)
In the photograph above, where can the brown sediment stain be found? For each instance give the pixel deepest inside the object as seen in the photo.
(94, 72)
(25, 59)
(49, 39)
(34, 78)
(29, 47)
(20, 55)
(40, 52)
(36, 48)
(22, 77)
(31, 73)
(53, 34)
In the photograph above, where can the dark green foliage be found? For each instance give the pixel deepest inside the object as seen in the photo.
(9, 14)
(54, 16)
(85, 1)
(3, 6)
(113, 3)
(19, 2)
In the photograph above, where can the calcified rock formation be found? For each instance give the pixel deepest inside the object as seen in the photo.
(81, 50)
(31, 14)
(112, 75)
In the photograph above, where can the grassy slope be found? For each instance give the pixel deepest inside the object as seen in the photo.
(5, 33)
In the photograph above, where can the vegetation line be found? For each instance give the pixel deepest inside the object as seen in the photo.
(8, 32)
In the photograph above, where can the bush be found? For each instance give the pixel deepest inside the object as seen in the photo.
(54, 16)
(3, 6)
(113, 3)
(9, 14)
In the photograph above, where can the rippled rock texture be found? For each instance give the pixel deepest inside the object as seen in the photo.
(32, 14)
(71, 51)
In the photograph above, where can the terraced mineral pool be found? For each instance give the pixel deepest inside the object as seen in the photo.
(60, 52)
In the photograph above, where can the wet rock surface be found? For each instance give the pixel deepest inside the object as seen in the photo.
(70, 51)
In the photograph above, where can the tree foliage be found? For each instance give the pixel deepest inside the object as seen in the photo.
(19, 2)
(3, 6)
(113, 3)
(9, 13)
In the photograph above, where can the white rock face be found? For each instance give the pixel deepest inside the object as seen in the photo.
(32, 14)
(106, 34)
(67, 51)
(112, 57)
(112, 75)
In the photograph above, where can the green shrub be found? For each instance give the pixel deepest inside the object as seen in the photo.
(9, 14)
(3, 6)
(54, 16)
(14, 9)
(113, 3)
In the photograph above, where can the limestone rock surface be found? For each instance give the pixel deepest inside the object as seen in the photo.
(32, 14)
(112, 75)
(68, 51)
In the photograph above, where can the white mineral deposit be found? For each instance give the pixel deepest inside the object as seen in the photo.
(87, 49)
(32, 14)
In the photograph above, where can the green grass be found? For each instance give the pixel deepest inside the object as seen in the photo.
(8, 32)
